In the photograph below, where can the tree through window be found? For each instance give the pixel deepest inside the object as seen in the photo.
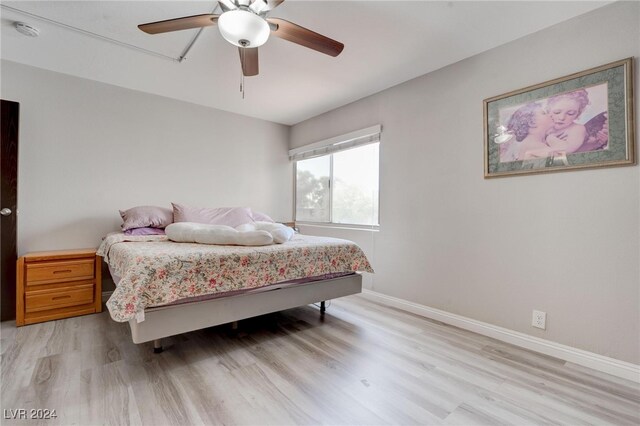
(341, 188)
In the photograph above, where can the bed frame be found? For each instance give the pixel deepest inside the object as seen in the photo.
(165, 321)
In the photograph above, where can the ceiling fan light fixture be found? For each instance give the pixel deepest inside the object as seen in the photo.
(243, 28)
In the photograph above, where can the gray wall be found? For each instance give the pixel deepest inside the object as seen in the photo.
(494, 250)
(88, 149)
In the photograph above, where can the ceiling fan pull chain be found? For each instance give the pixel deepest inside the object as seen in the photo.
(242, 52)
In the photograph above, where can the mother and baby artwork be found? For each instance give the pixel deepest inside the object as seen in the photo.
(583, 120)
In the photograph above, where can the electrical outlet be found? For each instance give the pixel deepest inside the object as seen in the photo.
(539, 320)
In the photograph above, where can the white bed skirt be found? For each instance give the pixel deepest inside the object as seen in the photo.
(165, 321)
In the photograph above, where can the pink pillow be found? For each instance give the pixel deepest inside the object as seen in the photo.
(146, 216)
(144, 231)
(229, 216)
(260, 217)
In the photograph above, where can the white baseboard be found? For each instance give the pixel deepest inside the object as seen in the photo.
(106, 295)
(623, 369)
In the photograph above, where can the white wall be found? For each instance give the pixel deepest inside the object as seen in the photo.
(494, 250)
(88, 149)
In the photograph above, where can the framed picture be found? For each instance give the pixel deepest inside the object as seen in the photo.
(580, 121)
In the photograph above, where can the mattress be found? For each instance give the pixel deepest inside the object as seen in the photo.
(154, 271)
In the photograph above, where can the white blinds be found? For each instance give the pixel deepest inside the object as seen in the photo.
(338, 143)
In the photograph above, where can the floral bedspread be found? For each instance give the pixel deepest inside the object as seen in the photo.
(155, 271)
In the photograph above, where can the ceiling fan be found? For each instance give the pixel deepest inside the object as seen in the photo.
(244, 23)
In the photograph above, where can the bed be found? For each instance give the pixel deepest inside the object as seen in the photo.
(165, 288)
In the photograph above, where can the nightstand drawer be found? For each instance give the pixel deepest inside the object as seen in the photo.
(40, 300)
(55, 272)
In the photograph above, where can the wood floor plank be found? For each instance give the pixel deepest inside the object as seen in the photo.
(434, 401)
(469, 415)
(325, 383)
(361, 363)
(106, 397)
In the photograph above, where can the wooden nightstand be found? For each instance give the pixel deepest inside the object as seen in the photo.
(58, 284)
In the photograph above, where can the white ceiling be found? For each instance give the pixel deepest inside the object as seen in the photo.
(387, 42)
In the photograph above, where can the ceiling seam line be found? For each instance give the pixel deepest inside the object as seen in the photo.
(91, 34)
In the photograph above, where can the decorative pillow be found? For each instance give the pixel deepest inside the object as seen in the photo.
(146, 217)
(144, 231)
(188, 232)
(260, 217)
(229, 216)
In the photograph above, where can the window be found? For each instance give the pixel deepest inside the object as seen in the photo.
(341, 187)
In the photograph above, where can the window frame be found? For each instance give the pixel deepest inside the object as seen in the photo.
(331, 185)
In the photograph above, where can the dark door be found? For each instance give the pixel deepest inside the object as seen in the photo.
(8, 207)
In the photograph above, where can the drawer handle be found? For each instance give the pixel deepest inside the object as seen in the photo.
(63, 271)
(61, 297)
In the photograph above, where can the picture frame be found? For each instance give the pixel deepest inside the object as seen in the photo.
(581, 121)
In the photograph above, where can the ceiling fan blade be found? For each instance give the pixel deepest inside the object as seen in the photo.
(304, 37)
(249, 60)
(264, 6)
(177, 24)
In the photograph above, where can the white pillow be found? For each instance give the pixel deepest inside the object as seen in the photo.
(189, 232)
(279, 232)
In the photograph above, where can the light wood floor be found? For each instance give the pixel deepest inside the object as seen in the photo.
(363, 364)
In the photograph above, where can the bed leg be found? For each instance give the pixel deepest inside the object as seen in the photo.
(323, 308)
(234, 326)
(157, 346)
